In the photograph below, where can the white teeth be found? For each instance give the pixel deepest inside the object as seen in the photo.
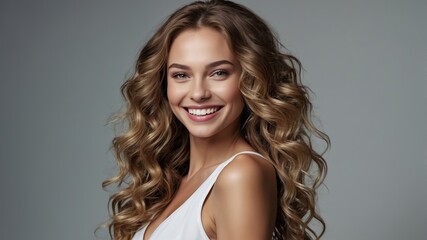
(202, 112)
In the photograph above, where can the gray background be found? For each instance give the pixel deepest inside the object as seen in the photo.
(62, 63)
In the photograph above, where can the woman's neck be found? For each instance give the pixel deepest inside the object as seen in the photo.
(207, 152)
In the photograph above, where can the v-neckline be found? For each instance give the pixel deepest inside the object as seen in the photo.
(192, 194)
(182, 204)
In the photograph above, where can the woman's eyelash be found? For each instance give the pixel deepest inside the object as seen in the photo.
(217, 73)
(179, 75)
(220, 73)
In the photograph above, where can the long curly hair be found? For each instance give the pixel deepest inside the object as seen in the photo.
(152, 152)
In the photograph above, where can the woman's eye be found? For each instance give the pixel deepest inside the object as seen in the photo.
(220, 74)
(179, 75)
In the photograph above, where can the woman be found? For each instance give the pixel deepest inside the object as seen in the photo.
(218, 138)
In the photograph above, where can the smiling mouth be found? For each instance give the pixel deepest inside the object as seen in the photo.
(202, 111)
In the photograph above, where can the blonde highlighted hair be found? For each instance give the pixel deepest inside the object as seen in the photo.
(153, 152)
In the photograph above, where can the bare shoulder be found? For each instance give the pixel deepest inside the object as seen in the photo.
(245, 199)
(247, 169)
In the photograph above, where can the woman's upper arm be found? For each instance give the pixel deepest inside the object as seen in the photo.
(244, 199)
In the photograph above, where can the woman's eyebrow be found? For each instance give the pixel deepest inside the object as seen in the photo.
(180, 66)
(220, 62)
(210, 65)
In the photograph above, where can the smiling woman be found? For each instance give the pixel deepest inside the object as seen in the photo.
(218, 144)
(203, 76)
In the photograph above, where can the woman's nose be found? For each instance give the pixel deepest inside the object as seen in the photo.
(200, 91)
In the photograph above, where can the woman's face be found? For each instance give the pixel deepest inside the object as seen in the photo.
(203, 83)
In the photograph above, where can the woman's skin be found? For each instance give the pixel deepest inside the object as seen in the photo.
(202, 88)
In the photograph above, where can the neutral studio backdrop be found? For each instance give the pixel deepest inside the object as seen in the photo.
(62, 63)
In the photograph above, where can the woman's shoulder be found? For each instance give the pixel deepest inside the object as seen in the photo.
(247, 169)
(247, 174)
(245, 197)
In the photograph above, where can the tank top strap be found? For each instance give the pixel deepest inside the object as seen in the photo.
(212, 178)
(225, 163)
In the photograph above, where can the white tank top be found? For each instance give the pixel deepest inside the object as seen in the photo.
(185, 222)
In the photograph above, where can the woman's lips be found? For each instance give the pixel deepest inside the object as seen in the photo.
(202, 114)
(202, 111)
